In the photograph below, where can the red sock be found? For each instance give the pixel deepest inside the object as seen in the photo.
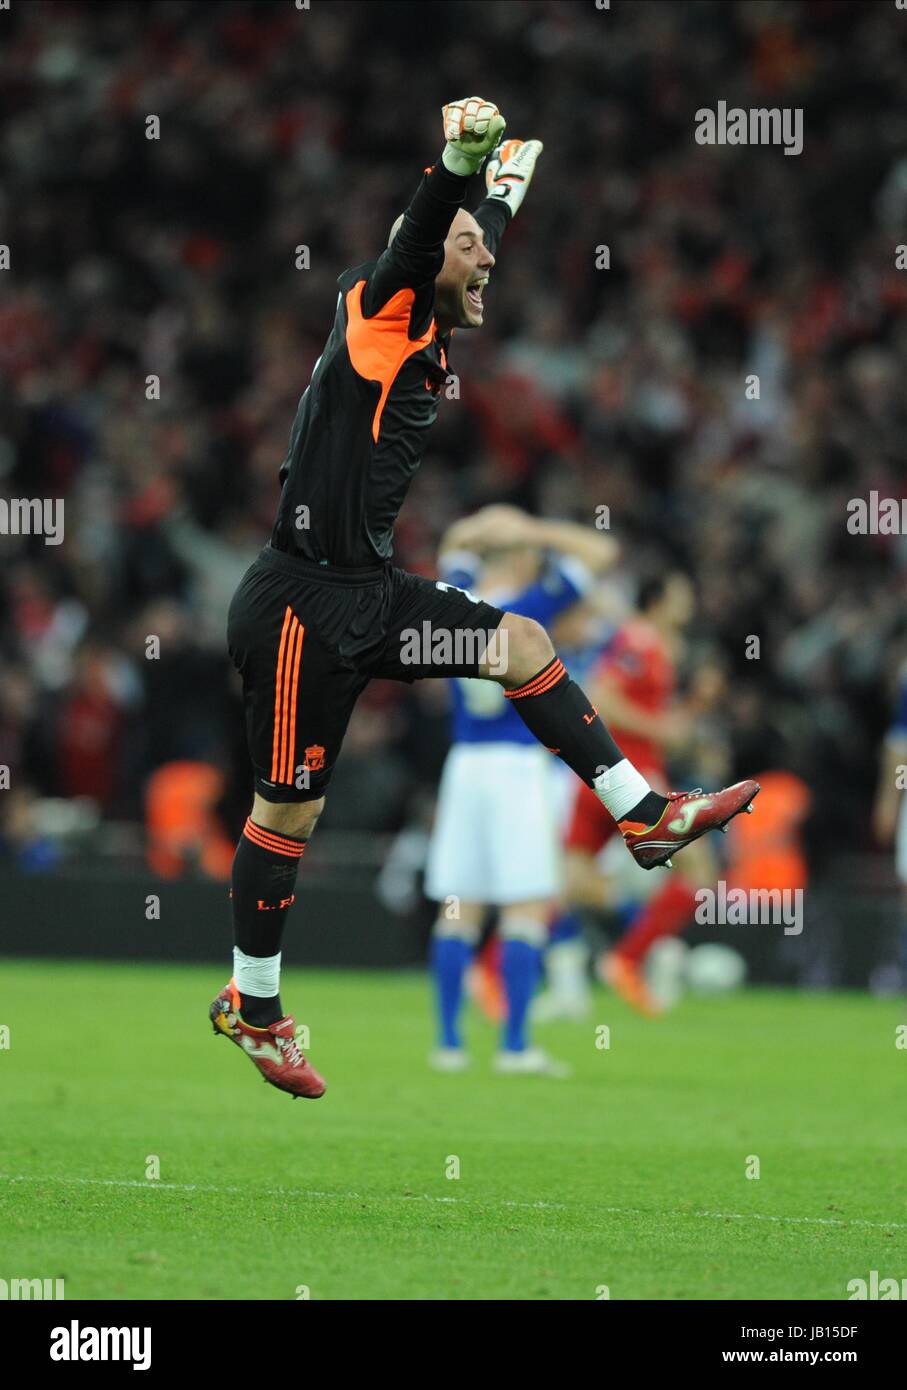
(666, 914)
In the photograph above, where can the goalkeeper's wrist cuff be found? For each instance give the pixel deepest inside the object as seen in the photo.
(501, 200)
(456, 162)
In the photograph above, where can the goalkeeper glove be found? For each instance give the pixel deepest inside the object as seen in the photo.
(472, 128)
(509, 171)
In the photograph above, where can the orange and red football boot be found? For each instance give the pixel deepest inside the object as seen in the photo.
(686, 816)
(626, 978)
(273, 1050)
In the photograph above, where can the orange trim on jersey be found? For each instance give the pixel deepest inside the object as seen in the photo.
(542, 682)
(278, 691)
(277, 844)
(379, 346)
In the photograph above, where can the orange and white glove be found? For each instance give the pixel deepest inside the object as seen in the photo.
(472, 128)
(509, 170)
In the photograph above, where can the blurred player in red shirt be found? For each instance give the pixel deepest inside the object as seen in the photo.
(634, 689)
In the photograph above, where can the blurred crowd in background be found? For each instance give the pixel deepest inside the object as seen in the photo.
(588, 387)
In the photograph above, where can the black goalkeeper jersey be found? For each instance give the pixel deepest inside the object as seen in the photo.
(361, 426)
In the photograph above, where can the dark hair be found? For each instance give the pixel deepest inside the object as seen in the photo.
(651, 590)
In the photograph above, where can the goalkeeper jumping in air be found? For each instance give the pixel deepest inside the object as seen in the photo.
(323, 609)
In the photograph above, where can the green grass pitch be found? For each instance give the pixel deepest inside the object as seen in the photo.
(632, 1175)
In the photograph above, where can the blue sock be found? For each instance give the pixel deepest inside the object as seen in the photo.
(566, 927)
(450, 958)
(521, 965)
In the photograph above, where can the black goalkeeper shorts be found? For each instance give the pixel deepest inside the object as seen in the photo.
(307, 639)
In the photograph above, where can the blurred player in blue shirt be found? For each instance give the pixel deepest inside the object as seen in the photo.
(495, 841)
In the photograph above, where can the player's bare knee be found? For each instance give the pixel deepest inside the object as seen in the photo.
(519, 924)
(526, 649)
(459, 920)
(294, 818)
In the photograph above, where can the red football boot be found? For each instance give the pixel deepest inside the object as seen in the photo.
(273, 1049)
(627, 979)
(686, 816)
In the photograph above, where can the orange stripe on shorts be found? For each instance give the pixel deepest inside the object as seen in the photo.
(288, 619)
(288, 720)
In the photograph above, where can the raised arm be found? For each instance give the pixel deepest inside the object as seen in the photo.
(415, 254)
(592, 548)
(508, 174)
(499, 525)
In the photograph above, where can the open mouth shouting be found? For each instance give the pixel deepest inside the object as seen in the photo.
(474, 293)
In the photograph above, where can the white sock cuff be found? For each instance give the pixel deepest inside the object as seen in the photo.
(256, 975)
(528, 929)
(620, 788)
(458, 931)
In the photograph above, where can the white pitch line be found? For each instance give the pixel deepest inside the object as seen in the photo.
(152, 1184)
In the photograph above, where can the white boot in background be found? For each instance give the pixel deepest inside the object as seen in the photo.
(568, 995)
(665, 970)
(532, 1061)
(449, 1059)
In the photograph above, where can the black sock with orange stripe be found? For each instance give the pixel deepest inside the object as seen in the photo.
(554, 708)
(264, 878)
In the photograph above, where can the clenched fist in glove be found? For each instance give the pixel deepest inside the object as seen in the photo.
(472, 128)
